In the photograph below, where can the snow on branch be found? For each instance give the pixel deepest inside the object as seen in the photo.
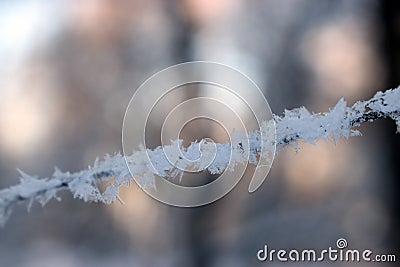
(294, 125)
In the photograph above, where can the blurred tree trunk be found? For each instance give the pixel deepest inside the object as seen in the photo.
(390, 19)
(193, 219)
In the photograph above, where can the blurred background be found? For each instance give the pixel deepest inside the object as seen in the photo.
(68, 69)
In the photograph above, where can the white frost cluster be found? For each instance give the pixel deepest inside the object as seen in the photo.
(386, 103)
(301, 124)
(145, 164)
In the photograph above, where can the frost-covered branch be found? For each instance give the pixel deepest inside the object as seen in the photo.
(294, 125)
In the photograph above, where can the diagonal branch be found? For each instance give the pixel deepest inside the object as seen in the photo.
(294, 125)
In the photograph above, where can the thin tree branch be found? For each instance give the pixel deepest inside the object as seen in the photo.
(294, 125)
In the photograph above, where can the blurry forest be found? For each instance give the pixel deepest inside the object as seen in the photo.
(69, 68)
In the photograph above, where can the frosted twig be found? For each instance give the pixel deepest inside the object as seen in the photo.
(294, 125)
